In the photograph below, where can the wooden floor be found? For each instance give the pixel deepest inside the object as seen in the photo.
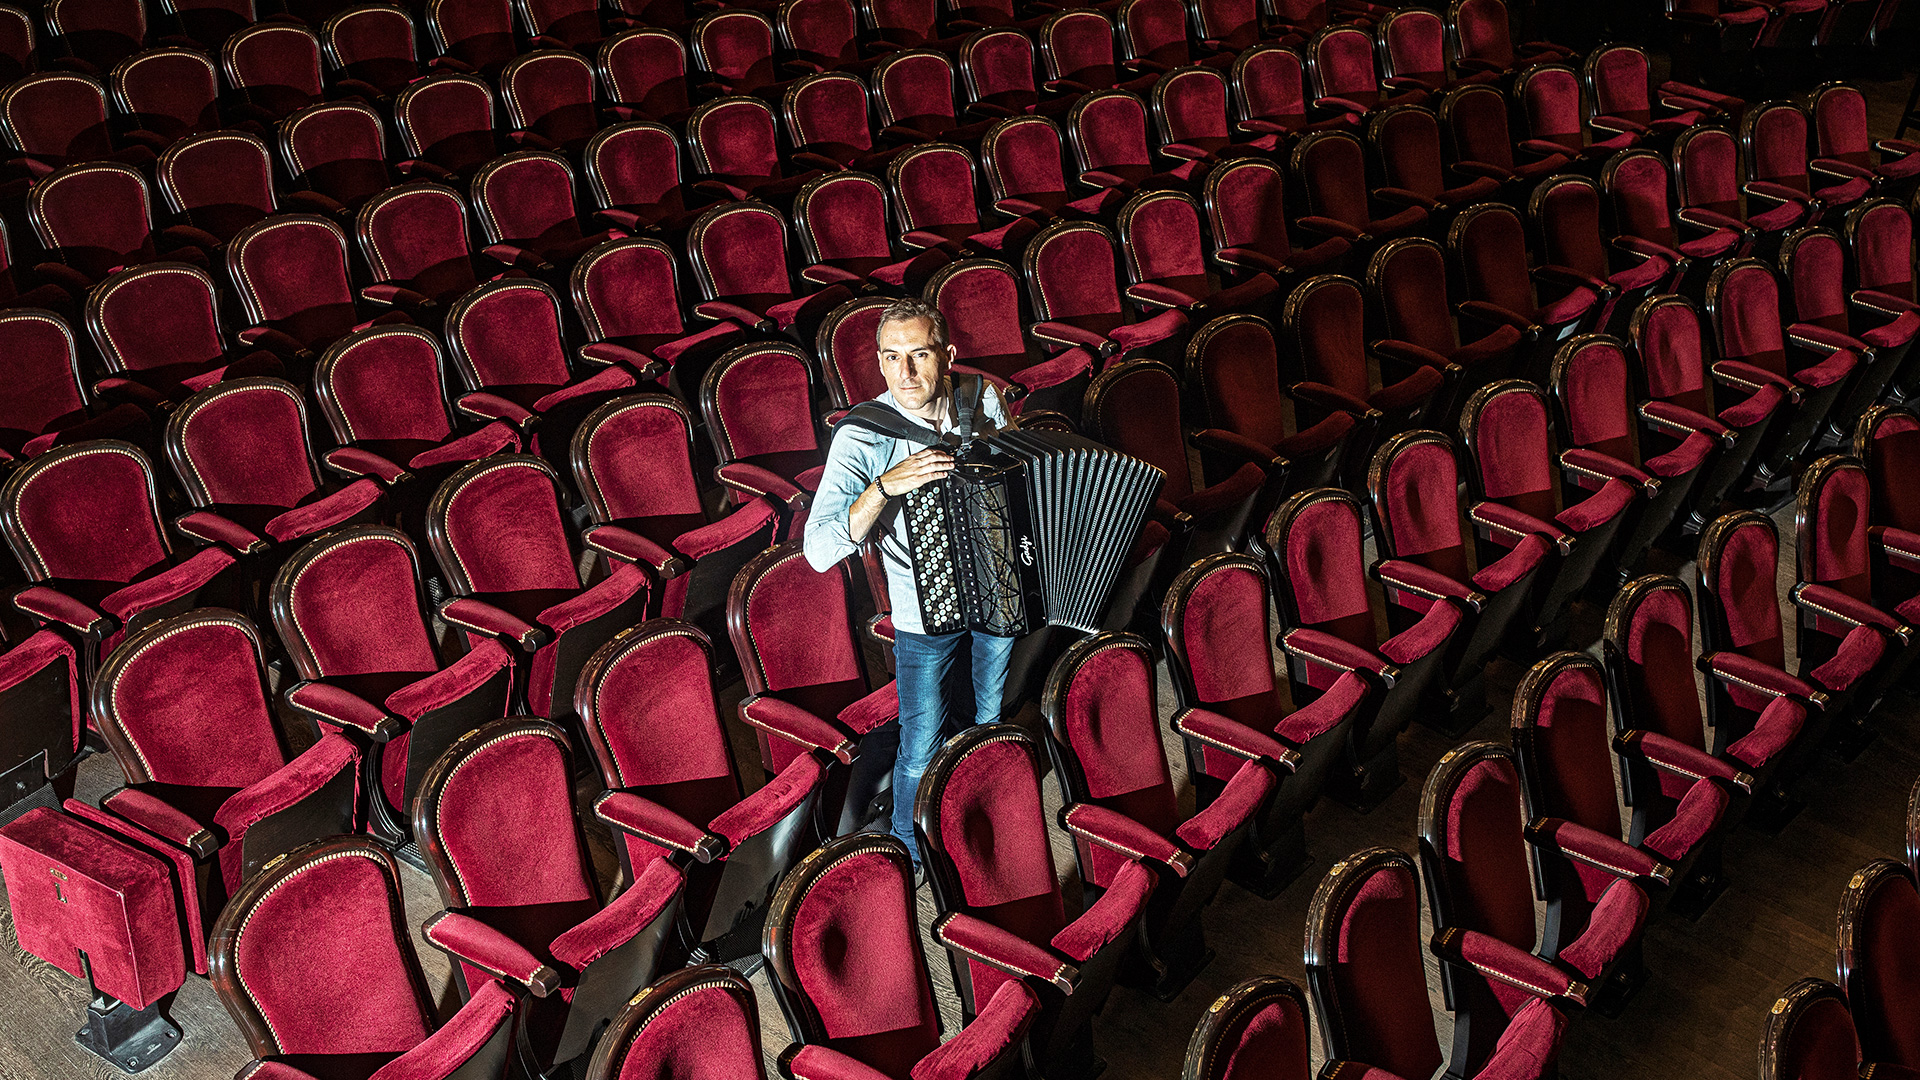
(1700, 1015)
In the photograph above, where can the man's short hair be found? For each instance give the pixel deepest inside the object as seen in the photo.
(908, 310)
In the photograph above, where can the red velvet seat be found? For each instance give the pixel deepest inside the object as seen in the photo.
(1407, 282)
(511, 569)
(1506, 433)
(1563, 740)
(1344, 73)
(936, 204)
(95, 218)
(1190, 119)
(733, 49)
(336, 151)
(1367, 972)
(1233, 376)
(1707, 190)
(627, 299)
(1406, 140)
(58, 118)
(1248, 222)
(997, 73)
(734, 150)
(221, 182)
(569, 24)
(1107, 130)
(739, 256)
(1839, 113)
(497, 822)
(1884, 440)
(417, 246)
(1706, 33)
(313, 961)
(1217, 632)
(1619, 80)
(18, 52)
(1412, 44)
(1478, 835)
(633, 461)
(1269, 91)
(1879, 236)
(1550, 106)
(644, 74)
(1105, 746)
(1077, 49)
(841, 220)
(910, 24)
(1636, 185)
(157, 327)
(1481, 143)
(505, 339)
(1810, 1035)
(351, 610)
(291, 274)
(1565, 213)
(1547, 304)
(1837, 549)
(1071, 284)
(843, 945)
(208, 23)
(272, 69)
(648, 703)
(40, 689)
(1226, 28)
(1160, 235)
(1775, 147)
(793, 631)
(372, 44)
(1813, 263)
(95, 35)
(699, 1022)
(1262, 1020)
(549, 98)
(48, 286)
(446, 125)
(1606, 430)
(1153, 35)
(981, 301)
(1412, 485)
(1649, 656)
(913, 98)
(184, 704)
(1481, 38)
(170, 92)
(528, 216)
(1313, 552)
(1330, 167)
(633, 169)
(825, 115)
(1000, 911)
(1022, 157)
(1876, 962)
(822, 35)
(47, 404)
(757, 400)
(473, 36)
(1324, 328)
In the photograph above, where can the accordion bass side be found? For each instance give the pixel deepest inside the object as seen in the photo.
(1030, 528)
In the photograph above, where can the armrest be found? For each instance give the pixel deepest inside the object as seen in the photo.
(162, 820)
(648, 820)
(1581, 844)
(1247, 258)
(1332, 399)
(1833, 604)
(483, 618)
(1573, 279)
(719, 310)
(1895, 543)
(989, 944)
(606, 352)
(1160, 296)
(1483, 168)
(1237, 446)
(1761, 678)
(1676, 757)
(1398, 574)
(473, 942)
(1499, 519)
(795, 724)
(1231, 736)
(755, 480)
(1820, 339)
(1495, 315)
(1121, 834)
(811, 1061)
(213, 528)
(1777, 193)
(1326, 226)
(1340, 104)
(1744, 376)
(275, 341)
(1403, 197)
(515, 256)
(1707, 220)
(353, 461)
(396, 296)
(458, 1040)
(1603, 467)
(1640, 245)
(51, 605)
(1407, 354)
(342, 708)
(629, 545)
(1682, 421)
(1498, 960)
(1062, 334)
(773, 803)
(485, 406)
(1328, 651)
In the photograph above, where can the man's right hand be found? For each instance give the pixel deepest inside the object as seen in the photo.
(917, 469)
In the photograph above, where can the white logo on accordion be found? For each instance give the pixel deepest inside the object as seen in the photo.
(1026, 551)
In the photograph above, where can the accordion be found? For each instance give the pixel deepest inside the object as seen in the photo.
(1028, 528)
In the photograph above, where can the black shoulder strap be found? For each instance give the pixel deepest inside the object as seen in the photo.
(877, 418)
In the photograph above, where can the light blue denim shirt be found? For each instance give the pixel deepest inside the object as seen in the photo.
(855, 460)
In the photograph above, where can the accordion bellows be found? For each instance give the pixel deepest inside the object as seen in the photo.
(1030, 528)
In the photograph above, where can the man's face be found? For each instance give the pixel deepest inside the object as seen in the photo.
(911, 363)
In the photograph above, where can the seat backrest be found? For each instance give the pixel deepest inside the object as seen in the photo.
(1504, 428)
(1887, 439)
(337, 148)
(478, 33)
(1649, 654)
(845, 345)
(842, 215)
(155, 316)
(382, 629)
(1670, 343)
(383, 383)
(757, 400)
(1407, 140)
(1636, 185)
(1070, 271)
(1234, 365)
(243, 442)
(986, 782)
(1413, 485)
(914, 89)
(1480, 31)
(1340, 62)
(740, 249)
(1548, 96)
(507, 333)
(698, 1023)
(1412, 45)
(40, 364)
(736, 48)
(276, 63)
(1077, 45)
(634, 165)
(415, 234)
(1155, 31)
(526, 197)
(496, 527)
(1190, 103)
(1810, 1035)
(1489, 247)
(446, 119)
(550, 92)
(909, 22)
(1617, 79)
(1021, 157)
(1743, 297)
(1324, 320)
(58, 116)
(1408, 280)
(1215, 618)
(828, 109)
(1563, 744)
(210, 22)
(1739, 607)
(312, 955)
(1260, 1024)
(1880, 234)
(1706, 164)
(291, 271)
(626, 288)
(1366, 968)
(93, 217)
(1592, 385)
(170, 92)
(1814, 264)
(496, 822)
(1773, 143)
(995, 62)
(1878, 912)
(822, 32)
(18, 55)
(1332, 170)
(1472, 850)
(980, 299)
(791, 628)
(1268, 81)
(1833, 504)
(1475, 117)
(56, 508)
(1108, 128)
(185, 701)
(1134, 407)
(933, 186)
(572, 22)
(733, 137)
(1565, 210)
(221, 181)
(1099, 702)
(1313, 540)
(1246, 206)
(633, 458)
(373, 43)
(1160, 235)
(844, 945)
(645, 69)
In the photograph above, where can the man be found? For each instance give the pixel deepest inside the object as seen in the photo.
(860, 495)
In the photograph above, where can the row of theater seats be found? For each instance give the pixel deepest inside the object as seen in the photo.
(1859, 1026)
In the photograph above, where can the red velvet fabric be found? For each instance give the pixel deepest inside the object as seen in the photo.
(1110, 134)
(1343, 63)
(373, 45)
(736, 48)
(1225, 633)
(1419, 504)
(1156, 32)
(192, 700)
(1108, 716)
(1745, 591)
(291, 272)
(526, 199)
(1079, 48)
(638, 458)
(376, 388)
(1324, 570)
(1836, 551)
(1511, 452)
(1613, 925)
(1239, 370)
(276, 65)
(843, 216)
(550, 92)
(1246, 208)
(1271, 1041)
(243, 443)
(645, 69)
(505, 820)
(58, 117)
(707, 1033)
(1022, 159)
(1816, 277)
(739, 251)
(504, 529)
(338, 149)
(43, 378)
(357, 609)
(1776, 144)
(170, 92)
(656, 724)
(800, 643)
(1747, 318)
(1191, 107)
(1549, 97)
(1885, 975)
(915, 91)
(1529, 1047)
(1379, 975)
(64, 530)
(416, 235)
(447, 120)
(1572, 745)
(1881, 235)
(221, 181)
(997, 66)
(1486, 859)
(760, 397)
(1659, 648)
(1821, 1043)
(94, 217)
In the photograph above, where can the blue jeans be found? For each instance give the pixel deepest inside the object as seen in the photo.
(924, 666)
